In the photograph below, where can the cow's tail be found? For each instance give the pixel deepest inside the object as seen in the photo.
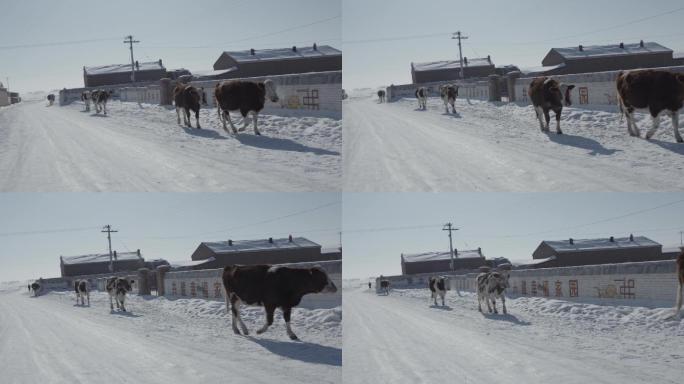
(620, 102)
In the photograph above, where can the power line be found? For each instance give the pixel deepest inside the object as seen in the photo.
(286, 29)
(384, 229)
(57, 43)
(406, 37)
(46, 231)
(129, 40)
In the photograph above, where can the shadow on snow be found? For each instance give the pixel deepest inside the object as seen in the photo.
(302, 351)
(266, 142)
(591, 145)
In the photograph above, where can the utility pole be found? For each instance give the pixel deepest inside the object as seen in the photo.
(450, 228)
(129, 40)
(108, 229)
(8, 88)
(457, 35)
(681, 238)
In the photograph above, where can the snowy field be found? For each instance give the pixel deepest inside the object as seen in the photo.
(499, 147)
(402, 338)
(49, 339)
(140, 147)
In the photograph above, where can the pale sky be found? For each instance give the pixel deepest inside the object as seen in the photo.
(503, 224)
(517, 32)
(188, 34)
(36, 228)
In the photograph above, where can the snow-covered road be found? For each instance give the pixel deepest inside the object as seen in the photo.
(400, 338)
(499, 147)
(49, 339)
(141, 148)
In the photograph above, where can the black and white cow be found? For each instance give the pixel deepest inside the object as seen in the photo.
(117, 287)
(85, 98)
(244, 96)
(437, 286)
(273, 287)
(385, 286)
(547, 94)
(490, 286)
(82, 289)
(187, 98)
(35, 287)
(655, 90)
(100, 98)
(421, 95)
(51, 99)
(449, 93)
(381, 96)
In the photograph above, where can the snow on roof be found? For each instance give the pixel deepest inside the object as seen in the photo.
(99, 258)
(450, 64)
(433, 256)
(598, 244)
(282, 53)
(260, 245)
(118, 68)
(530, 70)
(211, 72)
(190, 263)
(610, 50)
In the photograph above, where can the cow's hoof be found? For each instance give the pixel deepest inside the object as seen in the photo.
(293, 337)
(235, 331)
(680, 140)
(559, 132)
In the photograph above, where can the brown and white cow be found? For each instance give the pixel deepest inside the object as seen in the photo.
(656, 90)
(381, 96)
(422, 95)
(187, 97)
(273, 287)
(449, 93)
(547, 94)
(437, 285)
(117, 287)
(243, 96)
(82, 289)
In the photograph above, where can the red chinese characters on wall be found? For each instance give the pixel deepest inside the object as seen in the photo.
(205, 289)
(523, 287)
(573, 288)
(533, 288)
(193, 289)
(559, 288)
(174, 291)
(183, 293)
(584, 95)
(217, 290)
(626, 288)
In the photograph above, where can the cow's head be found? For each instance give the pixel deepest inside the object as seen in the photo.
(123, 286)
(322, 281)
(270, 88)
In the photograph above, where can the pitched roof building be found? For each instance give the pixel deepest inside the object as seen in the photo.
(278, 61)
(436, 262)
(121, 73)
(449, 70)
(98, 263)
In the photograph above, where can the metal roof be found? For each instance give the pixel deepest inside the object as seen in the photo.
(571, 53)
(282, 53)
(100, 258)
(119, 68)
(260, 245)
(450, 64)
(599, 244)
(433, 256)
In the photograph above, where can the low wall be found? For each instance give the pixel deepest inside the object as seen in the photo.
(467, 89)
(645, 282)
(590, 88)
(207, 284)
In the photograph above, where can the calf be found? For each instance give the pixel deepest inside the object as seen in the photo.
(117, 288)
(437, 288)
(421, 95)
(82, 291)
(491, 285)
(188, 98)
(381, 96)
(100, 98)
(657, 91)
(273, 287)
(548, 94)
(449, 93)
(85, 97)
(35, 287)
(680, 277)
(51, 99)
(243, 96)
(385, 286)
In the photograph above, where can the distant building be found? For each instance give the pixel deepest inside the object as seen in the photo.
(279, 61)
(14, 97)
(439, 262)
(262, 251)
(98, 263)
(450, 70)
(4, 96)
(574, 252)
(121, 73)
(612, 57)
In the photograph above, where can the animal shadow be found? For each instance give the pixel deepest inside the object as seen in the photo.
(670, 146)
(591, 145)
(122, 313)
(443, 308)
(280, 144)
(454, 115)
(206, 133)
(302, 351)
(505, 317)
(98, 115)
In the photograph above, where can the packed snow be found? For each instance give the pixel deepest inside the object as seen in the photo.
(499, 147)
(51, 339)
(140, 147)
(404, 338)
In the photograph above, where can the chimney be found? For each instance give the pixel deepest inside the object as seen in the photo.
(251, 51)
(631, 237)
(160, 63)
(270, 240)
(581, 48)
(489, 58)
(294, 48)
(455, 252)
(622, 45)
(612, 239)
(230, 242)
(641, 43)
(465, 60)
(290, 238)
(138, 252)
(479, 250)
(572, 241)
(114, 255)
(315, 47)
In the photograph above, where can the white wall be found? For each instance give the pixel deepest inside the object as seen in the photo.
(473, 90)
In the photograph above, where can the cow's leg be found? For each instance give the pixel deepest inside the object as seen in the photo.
(453, 106)
(494, 304)
(88, 296)
(634, 131)
(539, 111)
(558, 118)
(236, 307)
(547, 119)
(230, 307)
(256, 130)
(197, 118)
(503, 303)
(104, 107)
(245, 115)
(442, 295)
(489, 307)
(269, 309)
(675, 126)
(479, 302)
(178, 114)
(111, 304)
(187, 116)
(122, 300)
(227, 116)
(287, 312)
(656, 124)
